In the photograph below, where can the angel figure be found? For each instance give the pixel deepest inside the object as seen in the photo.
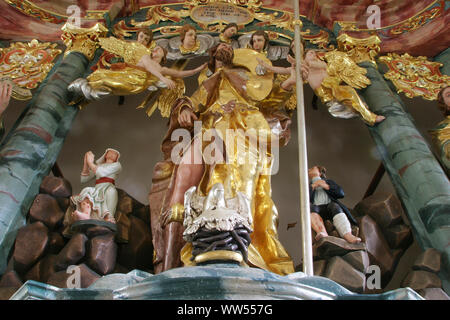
(141, 70)
(325, 79)
(187, 45)
(227, 34)
(259, 41)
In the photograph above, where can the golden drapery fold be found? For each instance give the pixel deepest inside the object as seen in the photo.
(121, 79)
(331, 89)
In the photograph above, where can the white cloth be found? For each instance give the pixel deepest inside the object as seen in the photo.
(104, 194)
(320, 195)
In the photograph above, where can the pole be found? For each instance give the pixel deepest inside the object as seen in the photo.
(303, 161)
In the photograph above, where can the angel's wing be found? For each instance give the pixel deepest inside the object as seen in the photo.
(130, 51)
(341, 65)
(164, 101)
(167, 97)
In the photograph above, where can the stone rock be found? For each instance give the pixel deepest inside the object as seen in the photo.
(123, 227)
(138, 252)
(30, 245)
(125, 203)
(55, 243)
(143, 213)
(7, 292)
(398, 236)
(334, 233)
(332, 246)
(358, 259)
(419, 280)
(120, 269)
(377, 247)
(433, 294)
(102, 254)
(319, 267)
(98, 231)
(429, 260)
(42, 270)
(329, 226)
(55, 186)
(343, 273)
(355, 231)
(384, 208)
(73, 252)
(10, 279)
(64, 203)
(47, 210)
(61, 279)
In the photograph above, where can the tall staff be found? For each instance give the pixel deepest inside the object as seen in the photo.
(303, 161)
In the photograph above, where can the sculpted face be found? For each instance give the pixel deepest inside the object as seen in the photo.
(189, 39)
(313, 172)
(143, 38)
(85, 205)
(111, 156)
(158, 53)
(446, 96)
(310, 56)
(258, 43)
(230, 32)
(225, 53)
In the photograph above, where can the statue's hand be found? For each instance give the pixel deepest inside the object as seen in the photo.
(89, 157)
(169, 83)
(187, 118)
(169, 216)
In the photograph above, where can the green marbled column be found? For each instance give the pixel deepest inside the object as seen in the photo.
(30, 150)
(415, 173)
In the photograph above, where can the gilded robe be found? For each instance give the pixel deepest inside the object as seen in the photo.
(251, 176)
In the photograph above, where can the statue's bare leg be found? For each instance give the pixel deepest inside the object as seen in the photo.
(318, 226)
(188, 174)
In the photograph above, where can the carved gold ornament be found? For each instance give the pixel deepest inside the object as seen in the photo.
(415, 76)
(27, 65)
(360, 50)
(83, 40)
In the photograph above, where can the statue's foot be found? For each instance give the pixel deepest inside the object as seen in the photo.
(379, 119)
(320, 235)
(351, 238)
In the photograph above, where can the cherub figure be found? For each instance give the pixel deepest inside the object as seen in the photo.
(84, 204)
(259, 41)
(141, 70)
(187, 45)
(227, 34)
(326, 78)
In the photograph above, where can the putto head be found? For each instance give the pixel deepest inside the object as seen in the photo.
(145, 37)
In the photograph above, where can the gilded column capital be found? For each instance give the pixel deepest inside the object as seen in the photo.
(360, 50)
(83, 40)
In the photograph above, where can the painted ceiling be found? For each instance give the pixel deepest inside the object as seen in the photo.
(415, 27)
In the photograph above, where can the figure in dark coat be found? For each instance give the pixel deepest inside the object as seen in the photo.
(324, 205)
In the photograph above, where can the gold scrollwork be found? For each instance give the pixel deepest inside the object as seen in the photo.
(359, 50)
(416, 22)
(83, 40)
(27, 65)
(415, 76)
